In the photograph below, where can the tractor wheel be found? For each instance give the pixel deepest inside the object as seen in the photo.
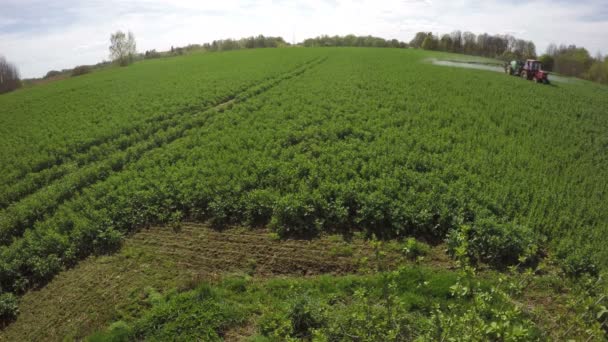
(546, 81)
(524, 75)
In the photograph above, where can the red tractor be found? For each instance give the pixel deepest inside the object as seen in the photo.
(530, 70)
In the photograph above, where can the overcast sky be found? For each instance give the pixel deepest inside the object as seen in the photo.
(40, 35)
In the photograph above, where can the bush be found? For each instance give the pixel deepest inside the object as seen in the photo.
(118, 331)
(295, 215)
(9, 308)
(81, 70)
(576, 261)
(302, 317)
(414, 248)
(305, 315)
(52, 73)
(547, 62)
(150, 54)
(497, 244)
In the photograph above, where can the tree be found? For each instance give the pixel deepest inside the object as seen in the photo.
(572, 61)
(9, 76)
(469, 45)
(552, 50)
(547, 62)
(445, 43)
(598, 72)
(530, 50)
(419, 39)
(456, 41)
(81, 70)
(122, 47)
(52, 73)
(429, 43)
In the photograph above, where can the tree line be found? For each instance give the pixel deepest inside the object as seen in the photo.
(567, 60)
(504, 47)
(575, 61)
(352, 40)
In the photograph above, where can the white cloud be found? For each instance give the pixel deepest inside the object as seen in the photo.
(39, 36)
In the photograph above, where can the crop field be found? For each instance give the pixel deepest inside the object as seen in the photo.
(304, 142)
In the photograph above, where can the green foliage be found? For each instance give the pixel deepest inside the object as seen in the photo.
(9, 76)
(297, 320)
(414, 249)
(9, 308)
(494, 243)
(598, 72)
(576, 261)
(494, 46)
(418, 304)
(252, 42)
(429, 43)
(81, 70)
(196, 315)
(305, 315)
(547, 62)
(116, 332)
(352, 40)
(484, 321)
(342, 250)
(403, 148)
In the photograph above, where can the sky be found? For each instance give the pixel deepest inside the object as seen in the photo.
(41, 35)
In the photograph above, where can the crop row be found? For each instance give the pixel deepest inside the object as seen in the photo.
(22, 215)
(57, 165)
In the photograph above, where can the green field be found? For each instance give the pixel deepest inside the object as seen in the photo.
(306, 142)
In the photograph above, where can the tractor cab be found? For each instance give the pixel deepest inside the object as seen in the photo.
(532, 65)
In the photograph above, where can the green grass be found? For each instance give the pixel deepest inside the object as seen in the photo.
(413, 303)
(290, 308)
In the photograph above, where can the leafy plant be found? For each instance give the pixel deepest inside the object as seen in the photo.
(414, 249)
(497, 244)
(9, 308)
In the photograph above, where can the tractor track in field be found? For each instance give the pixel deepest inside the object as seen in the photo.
(86, 298)
(44, 200)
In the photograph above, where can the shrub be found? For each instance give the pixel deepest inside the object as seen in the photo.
(342, 250)
(9, 308)
(497, 244)
(150, 54)
(299, 319)
(275, 325)
(305, 315)
(116, 332)
(81, 70)
(295, 216)
(576, 261)
(414, 248)
(52, 73)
